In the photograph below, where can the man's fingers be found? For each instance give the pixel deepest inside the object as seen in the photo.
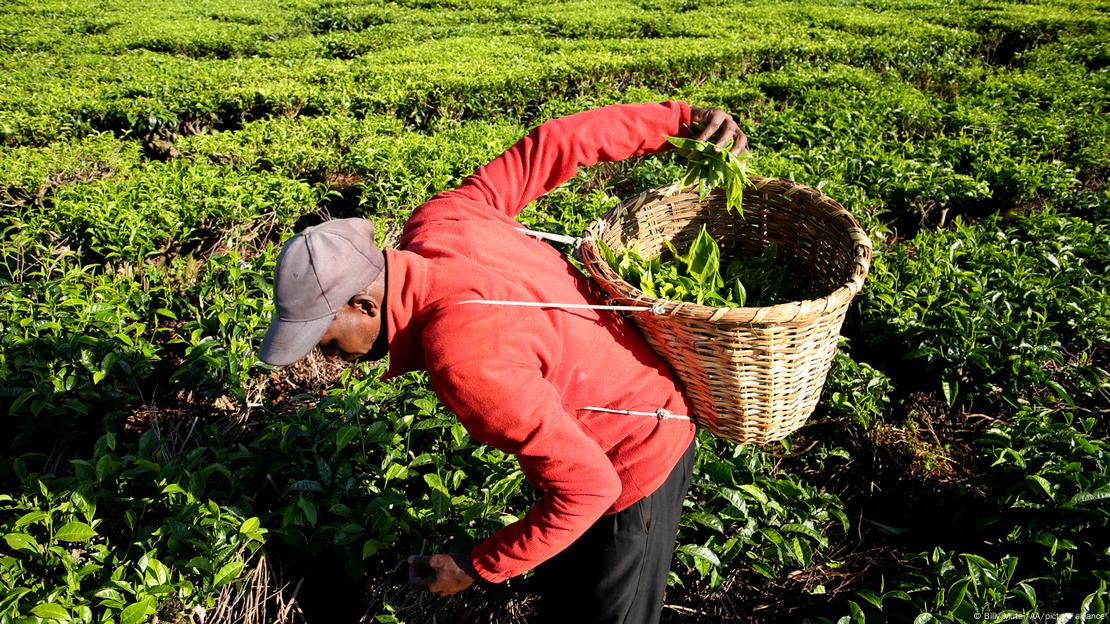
(741, 143)
(421, 582)
(421, 574)
(714, 121)
(729, 131)
(711, 126)
(442, 575)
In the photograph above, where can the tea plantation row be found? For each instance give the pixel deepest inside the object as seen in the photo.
(154, 157)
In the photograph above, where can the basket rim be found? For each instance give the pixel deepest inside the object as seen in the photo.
(793, 311)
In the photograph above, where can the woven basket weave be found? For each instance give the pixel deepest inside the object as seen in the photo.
(753, 374)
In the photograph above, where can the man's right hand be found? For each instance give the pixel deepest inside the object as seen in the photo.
(441, 575)
(719, 127)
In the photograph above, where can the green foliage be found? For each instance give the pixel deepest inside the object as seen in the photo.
(741, 513)
(165, 207)
(1051, 479)
(28, 174)
(387, 169)
(980, 307)
(378, 468)
(153, 156)
(220, 322)
(856, 391)
(129, 531)
(964, 587)
(696, 275)
(73, 340)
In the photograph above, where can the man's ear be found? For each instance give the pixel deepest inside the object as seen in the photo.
(366, 304)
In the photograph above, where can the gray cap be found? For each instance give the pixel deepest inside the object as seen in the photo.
(318, 272)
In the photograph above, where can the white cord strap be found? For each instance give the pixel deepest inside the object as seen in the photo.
(662, 413)
(657, 308)
(558, 238)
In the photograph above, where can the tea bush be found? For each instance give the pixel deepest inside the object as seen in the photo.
(741, 513)
(73, 341)
(132, 533)
(377, 467)
(218, 323)
(163, 208)
(980, 307)
(28, 175)
(1051, 477)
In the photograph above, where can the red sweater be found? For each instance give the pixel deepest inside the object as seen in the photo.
(517, 378)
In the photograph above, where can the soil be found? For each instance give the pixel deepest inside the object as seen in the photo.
(314, 374)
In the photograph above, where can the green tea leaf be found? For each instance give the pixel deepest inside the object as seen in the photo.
(704, 259)
(707, 519)
(227, 574)
(344, 436)
(1090, 497)
(1039, 482)
(700, 552)
(75, 532)
(714, 168)
(957, 593)
(249, 525)
(51, 611)
(138, 612)
(31, 518)
(307, 485)
(434, 482)
(1060, 392)
(951, 389)
(739, 293)
(755, 493)
(857, 612)
(872, 597)
(308, 509)
(1092, 605)
(763, 569)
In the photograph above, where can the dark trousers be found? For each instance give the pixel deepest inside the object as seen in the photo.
(617, 571)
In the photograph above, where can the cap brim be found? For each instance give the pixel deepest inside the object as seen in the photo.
(287, 341)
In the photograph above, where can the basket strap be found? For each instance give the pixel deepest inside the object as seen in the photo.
(576, 241)
(558, 238)
(662, 413)
(656, 309)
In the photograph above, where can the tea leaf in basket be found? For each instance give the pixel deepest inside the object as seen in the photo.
(696, 275)
(739, 293)
(703, 261)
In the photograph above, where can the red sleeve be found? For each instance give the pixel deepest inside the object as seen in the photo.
(552, 153)
(511, 407)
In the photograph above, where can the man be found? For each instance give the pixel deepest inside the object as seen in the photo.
(601, 537)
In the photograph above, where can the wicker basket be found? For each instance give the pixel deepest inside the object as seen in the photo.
(753, 374)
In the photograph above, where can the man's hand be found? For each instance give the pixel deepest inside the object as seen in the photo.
(718, 124)
(442, 575)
